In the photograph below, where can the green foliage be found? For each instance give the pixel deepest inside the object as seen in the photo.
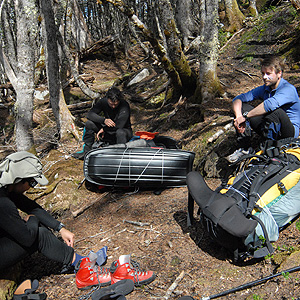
(269, 256)
(256, 297)
(224, 36)
(286, 275)
(248, 58)
(262, 238)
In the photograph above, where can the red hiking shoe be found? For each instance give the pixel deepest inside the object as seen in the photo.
(88, 276)
(123, 268)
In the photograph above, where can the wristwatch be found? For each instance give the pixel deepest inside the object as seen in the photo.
(60, 226)
(245, 115)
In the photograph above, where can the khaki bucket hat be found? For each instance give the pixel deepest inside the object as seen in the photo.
(21, 165)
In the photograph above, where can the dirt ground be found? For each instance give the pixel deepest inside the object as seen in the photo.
(163, 244)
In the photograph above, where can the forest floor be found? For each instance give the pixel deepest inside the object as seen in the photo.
(165, 244)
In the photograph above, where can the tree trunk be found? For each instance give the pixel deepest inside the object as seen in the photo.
(51, 58)
(63, 117)
(208, 83)
(175, 52)
(85, 89)
(26, 20)
(184, 20)
(233, 19)
(252, 8)
(80, 33)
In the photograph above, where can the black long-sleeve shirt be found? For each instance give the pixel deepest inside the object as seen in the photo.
(120, 115)
(11, 224)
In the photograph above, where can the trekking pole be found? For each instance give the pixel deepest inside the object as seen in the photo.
(250, 284)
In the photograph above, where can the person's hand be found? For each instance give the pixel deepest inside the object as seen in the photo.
(109, 123)
(240, 124)
(67, 236)
(100, 134)
(26, 218)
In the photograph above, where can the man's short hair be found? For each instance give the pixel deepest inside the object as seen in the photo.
(114, 94)
(273, 62)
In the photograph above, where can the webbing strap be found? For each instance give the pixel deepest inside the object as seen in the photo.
(267, 242)
(266, 173)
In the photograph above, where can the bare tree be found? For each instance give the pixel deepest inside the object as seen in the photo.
(63, 117)
(19, 46)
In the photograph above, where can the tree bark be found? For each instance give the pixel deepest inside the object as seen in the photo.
(175, 52)
(252, 8)
(208, 83)
(184, 20)
(63, 117)
(78, 27)
(233, 20)
(27, 30)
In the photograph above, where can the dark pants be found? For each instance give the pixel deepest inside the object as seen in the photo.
(46, 243)
(273, 125)
(119, 136)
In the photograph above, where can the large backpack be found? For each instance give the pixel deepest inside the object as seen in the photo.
(247, 212)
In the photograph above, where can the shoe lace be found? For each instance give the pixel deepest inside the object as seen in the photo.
(137, 271)
(102, 271)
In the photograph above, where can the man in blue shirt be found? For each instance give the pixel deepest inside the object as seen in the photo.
(276, 117)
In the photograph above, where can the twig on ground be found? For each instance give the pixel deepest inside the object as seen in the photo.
(82, 209)
(136, 223)
(97, 234)
(174, 285)
(248, 74)
(107, 238)
(231, 39)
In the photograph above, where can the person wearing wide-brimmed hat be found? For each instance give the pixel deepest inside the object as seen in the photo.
(20, 237)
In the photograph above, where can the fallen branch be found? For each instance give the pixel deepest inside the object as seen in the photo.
(82, 209)
(231, 39)
(248, 74)
(220, 132)
(136, 223)
(179, 104)
(173, 286)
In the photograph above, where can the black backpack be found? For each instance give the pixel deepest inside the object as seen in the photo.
(231, 213)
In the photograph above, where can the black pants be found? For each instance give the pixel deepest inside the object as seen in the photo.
(46, 243)
(119, 136)
(262, 125)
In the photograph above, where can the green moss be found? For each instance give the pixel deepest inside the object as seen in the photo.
(157, 99)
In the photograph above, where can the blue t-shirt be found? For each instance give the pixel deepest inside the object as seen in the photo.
(285, 97)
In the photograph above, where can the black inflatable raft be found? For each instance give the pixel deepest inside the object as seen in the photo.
(123, 166)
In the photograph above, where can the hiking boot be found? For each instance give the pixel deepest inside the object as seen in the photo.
(124, 268)
(238, 154)
(80, 154)
(88, 276)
